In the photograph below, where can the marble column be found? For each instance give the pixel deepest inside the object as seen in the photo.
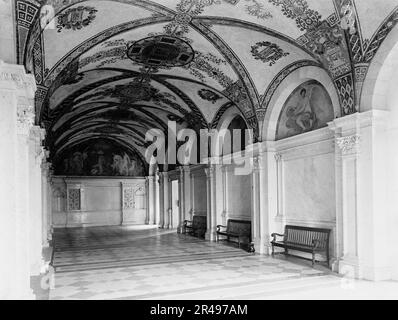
(211, 203)
(169, 203)
(151, 199)
(361, 218)
(45, 172)
(185, 196)
(36, 155)
(256, 213)
(224, 181)
(50, 193)
(17, 116)
(162, 192)
(156, 195)
(270, 190)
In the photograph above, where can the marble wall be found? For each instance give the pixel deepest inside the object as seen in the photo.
(309, 188)
(79, 202)
(198, 191)
(306, 181)
(239, 195)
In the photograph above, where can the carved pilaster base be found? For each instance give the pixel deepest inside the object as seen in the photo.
(210, 235)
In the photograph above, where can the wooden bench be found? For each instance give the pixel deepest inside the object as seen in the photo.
(305, 239)
(236, 229)
(196, 227)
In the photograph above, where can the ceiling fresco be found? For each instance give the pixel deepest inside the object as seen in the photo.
(115, 68)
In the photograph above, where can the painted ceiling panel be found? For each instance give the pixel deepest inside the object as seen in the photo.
(255, 11)
(209, 66)
(85, 79)
(98, 16)
(123, 66)
(255, 53)
(206, 98)
(372, 14)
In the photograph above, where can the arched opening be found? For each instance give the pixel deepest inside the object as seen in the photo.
(239, 138)
(379, 96)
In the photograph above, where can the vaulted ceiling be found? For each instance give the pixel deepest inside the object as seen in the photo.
(115, 69)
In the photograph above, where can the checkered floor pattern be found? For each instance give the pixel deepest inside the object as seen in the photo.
(118, 263)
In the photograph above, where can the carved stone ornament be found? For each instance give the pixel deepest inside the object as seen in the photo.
(128, 198)
(15, 74)
(25, 118)
(278, 157)
(348, 144)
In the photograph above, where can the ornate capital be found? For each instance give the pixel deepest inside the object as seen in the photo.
(257, 163)
(38, 134)
(210, 172)
(14, 76)
(349, 144)
(46, 167)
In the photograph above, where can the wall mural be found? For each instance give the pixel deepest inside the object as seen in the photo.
(99, 158)
(308, 108)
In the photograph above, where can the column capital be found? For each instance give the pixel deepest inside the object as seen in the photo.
(348, 144)
(184, 169)
(46, 169)
(37, 133)
(14, 77)
(25, 118)
(258, 162)
(278, 157)
(210, 170)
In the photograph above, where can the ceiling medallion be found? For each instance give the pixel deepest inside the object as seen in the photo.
(76, 18)
(209, 95)
(268, 52)
(161, 51)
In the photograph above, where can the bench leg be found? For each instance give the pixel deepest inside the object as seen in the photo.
(313, 259)
(273, 251)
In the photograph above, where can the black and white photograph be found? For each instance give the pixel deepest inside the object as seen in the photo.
(199, 154)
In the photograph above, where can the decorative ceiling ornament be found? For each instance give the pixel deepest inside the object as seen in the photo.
(161, 51)
(257, 10)
(186, 11)
(207, 64)
(348, 18)
(76, 18)
(268, 52)
(306, 19)
(209, 95)
(327, 43)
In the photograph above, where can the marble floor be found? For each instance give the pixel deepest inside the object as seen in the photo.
(130, 263)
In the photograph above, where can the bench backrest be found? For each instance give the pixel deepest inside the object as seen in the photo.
(240, 227)
(305, 235)
(199, 222)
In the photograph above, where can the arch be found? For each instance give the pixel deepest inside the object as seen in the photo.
(229, 115)
(381, 70)
(286, 87)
